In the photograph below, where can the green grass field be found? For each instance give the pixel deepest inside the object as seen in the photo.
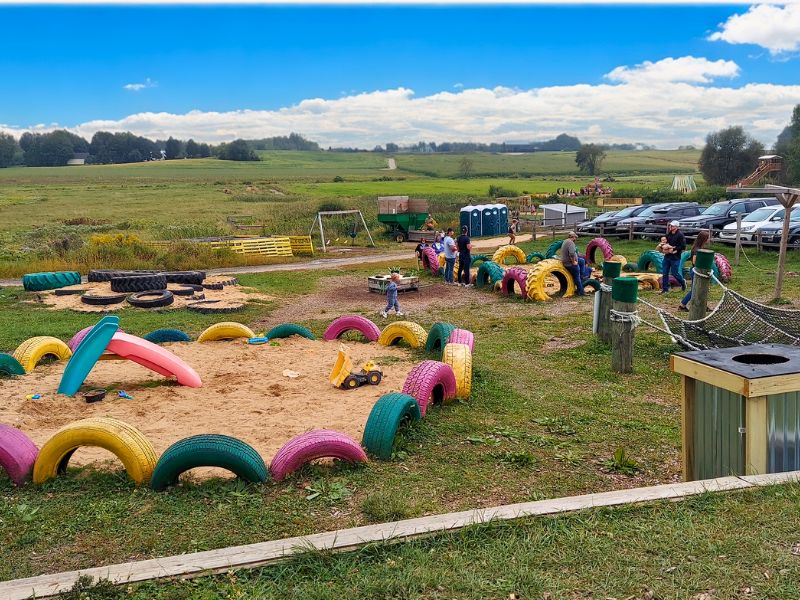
(48, 214)
(545, 415)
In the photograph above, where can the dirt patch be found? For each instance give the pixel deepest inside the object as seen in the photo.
(561, 343)
(230, 293)
(244, 394)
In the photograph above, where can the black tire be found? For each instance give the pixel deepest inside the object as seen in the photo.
(350, 383)
(103, 300)
(213, 286)
(196, 297)
(193, 277)
(101, 275)
(184, 290)
(214, 307)
(71, 291)
(218, 285)
(138, 283)
(400, 238)
(592, 283)
(374, 377)
(151, 299)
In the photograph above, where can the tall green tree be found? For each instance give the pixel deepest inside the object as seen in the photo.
(192, 149)
(729, 155)
(52, 149)
(788, 146)
(8, 147)
(173, 148)
(237, 150)
(589, 158)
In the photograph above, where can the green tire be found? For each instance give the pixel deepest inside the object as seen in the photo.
(553, 248)
(651, 258)
(629, 268)
(489, 272)
(38, 282)
(532, 255)
(480, 258)
(686, 265)
(288, 330)
(385, 418)
(438, 336)
(163, 336)
(10, 365)
(592, 283)
(208, 450)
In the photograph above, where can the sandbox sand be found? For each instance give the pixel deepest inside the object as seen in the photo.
(230, 293)
(244, 394)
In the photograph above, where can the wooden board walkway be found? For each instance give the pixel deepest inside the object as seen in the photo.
(266, 553)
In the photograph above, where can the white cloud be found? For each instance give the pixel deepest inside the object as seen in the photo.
(138, 87)
(776, 28)
(458, 86)
(647, 103)
(685, 68)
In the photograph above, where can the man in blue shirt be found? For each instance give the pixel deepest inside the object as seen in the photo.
(450, 250)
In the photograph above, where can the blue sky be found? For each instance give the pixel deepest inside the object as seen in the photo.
(70, 65)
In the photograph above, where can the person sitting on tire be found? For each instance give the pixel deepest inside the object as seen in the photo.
(672, 260)
(569, 258)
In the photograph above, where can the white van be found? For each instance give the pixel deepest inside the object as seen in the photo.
(752, 223)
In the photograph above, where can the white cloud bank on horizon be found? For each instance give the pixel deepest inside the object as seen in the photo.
(776, 28)
(665, 103)
(138, 87)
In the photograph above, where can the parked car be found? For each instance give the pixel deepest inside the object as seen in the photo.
(719, 214)
(591, 226)
(663, 211)
(608, 221)
(771, 234)
(763, 217)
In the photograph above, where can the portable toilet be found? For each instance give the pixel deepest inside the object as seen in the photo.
(464, 217)
(475, 215)
(503, 220)
(488, 220)
(499, 229)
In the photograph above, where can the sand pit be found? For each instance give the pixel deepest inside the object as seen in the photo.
(233, 294)
(244, 394)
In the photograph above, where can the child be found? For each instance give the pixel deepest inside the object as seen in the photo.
(512, 232)
(663, 246)
(391, 297)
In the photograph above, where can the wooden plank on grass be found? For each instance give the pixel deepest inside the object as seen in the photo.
(265, 553)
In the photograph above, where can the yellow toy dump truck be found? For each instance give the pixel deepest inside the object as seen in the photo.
(343, 376)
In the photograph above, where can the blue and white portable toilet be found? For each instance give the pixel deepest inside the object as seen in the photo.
(475, 227)
(464, 217)
(488, 226)
(504, 222)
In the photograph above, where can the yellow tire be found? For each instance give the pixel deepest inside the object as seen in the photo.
(412, 333)
(459, 357)
(124, 441)
(537, 280)
(619, 258)
(227, 330)
(649, 281)
(442, 263)
(504, 252)
(31, 351)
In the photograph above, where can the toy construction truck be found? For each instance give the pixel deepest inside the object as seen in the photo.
(343, 376)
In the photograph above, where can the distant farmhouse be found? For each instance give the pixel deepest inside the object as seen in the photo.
(79, 158)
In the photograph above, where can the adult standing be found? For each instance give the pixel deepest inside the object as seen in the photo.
(700, 242)
(569, 257)
(464, 245)
(450, 250)
(672, 259)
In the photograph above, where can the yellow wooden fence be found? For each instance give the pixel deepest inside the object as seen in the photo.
(293, 245)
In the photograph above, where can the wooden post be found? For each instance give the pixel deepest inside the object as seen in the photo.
(624, 296)
(701, 284)
(738, 239)
(755, 436)
(687, 427)
(630, 232)
(611, 270)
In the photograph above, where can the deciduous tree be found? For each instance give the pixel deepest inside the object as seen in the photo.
(589, 158)
(729, 155)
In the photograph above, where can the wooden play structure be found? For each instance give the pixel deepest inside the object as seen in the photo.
(768, 166)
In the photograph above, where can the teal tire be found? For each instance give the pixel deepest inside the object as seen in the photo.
(438, 336)
(287, 330)
(10, 365)
(686, 265)
(489, 272)
(385, 418)
(629, 268)
(38, 282)
(480, 258)
(553, 249)
(592, 283)
(534, 255)
(208, 450)
(651, 258)
(164, 336)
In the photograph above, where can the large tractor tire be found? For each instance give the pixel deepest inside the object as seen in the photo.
(430, 260)
(537, 280)
(513, 278)
(651, 258)
(39, 282)
(598, 243)
(489, 273)
(138, 283)
(510, 251)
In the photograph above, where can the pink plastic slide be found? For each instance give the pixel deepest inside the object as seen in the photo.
(153, 357)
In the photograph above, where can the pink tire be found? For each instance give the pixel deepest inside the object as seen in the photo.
(596, 244)
(512, 275)
(17, 454)
(78, 337)
(462, 336)
(673, 281)
(347, 323)
(321, 443)
(430, 382)
(430, 260)
(724, 267)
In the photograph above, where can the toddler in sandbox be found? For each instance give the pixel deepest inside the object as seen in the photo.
(663, 246)
(391, 297)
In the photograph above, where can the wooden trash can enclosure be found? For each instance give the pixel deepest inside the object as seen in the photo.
(740, 410)
(378, 283)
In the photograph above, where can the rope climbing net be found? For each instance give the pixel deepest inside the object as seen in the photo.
(736, 321)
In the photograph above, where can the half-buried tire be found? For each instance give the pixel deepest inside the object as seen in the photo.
(515, 277)
(430, 260)
(17, 454)
(459, 357)
(321, 443)
(226, 330)
(430, 382)
(598, 243)
(10, 365)
(651, 258)
(534, 257)
(347, 323)
(288, 330)
(412, 333)
(165, 336)
(208, 450)
(385, 418)
(438, 336)
(480, 258)
(489, 273)
(553, 249)
(463, 336)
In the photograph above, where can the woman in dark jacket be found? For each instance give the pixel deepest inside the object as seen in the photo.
(700, 242)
